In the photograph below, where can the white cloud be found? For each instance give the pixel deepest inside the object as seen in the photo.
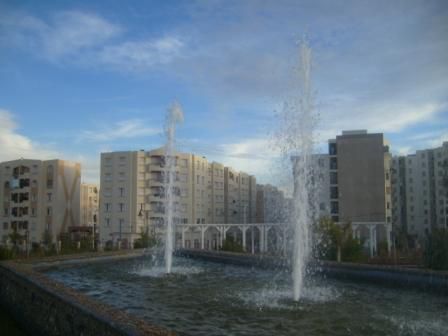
(141, 55)
(67, 34)
(385, 116)
(437, 141)
(15, 145)
(132, 128)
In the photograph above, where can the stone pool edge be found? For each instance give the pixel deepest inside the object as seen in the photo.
(410, 278)
(44, 306)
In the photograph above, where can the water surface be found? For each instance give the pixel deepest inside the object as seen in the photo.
(216, 299)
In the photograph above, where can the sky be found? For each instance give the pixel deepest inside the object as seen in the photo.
(78, 78)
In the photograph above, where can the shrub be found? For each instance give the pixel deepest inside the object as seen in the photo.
(229, 244)
(6, 253)
(436, 251)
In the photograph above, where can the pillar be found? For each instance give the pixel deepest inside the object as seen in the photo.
(220, 230)
(371, 229)
(183, 238)
(261, 238)
(202, 237)
(389, 233)
(252, 236)
(243, 229)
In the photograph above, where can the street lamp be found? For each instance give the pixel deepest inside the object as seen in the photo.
(27, 238)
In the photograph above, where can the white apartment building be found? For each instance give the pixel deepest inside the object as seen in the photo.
(420, 191)
(38, 196)
(90, 200)
(133, 195)
(271, 205)
(441, 185)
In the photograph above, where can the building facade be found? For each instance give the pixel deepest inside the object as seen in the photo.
(133, 196)
(420, 191)
(360, 186)
(90, 200)
(271, 205)
(39, 196)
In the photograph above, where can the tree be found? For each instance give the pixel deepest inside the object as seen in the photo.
(229, 244)
(145, 241)
(47, 238)
(336, 241)
(15, 238)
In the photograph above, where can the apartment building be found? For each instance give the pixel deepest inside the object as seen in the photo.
(440, 155)
(90, 200)
(39, 196)
(133, 195)
(360, 186)
(271, 205)
(420, 191)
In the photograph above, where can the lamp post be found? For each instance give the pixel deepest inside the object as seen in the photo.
(27, 238)
(140, 215)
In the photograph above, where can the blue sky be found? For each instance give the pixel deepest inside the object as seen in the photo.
(81, 77)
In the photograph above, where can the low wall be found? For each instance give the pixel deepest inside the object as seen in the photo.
(46, 307)
(385, 275)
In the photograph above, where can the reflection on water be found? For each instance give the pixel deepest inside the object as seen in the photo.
(216, 299)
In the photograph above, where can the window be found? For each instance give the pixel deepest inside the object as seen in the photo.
(333, 192)
(120, 207)
(334, 207)
(49, 197)
(197, 179)
(49, 211)
(107, 222)
(333, 178)
(108, 207)
(121, 192)
(50, 173)
(332, 148)
(5, 226)
(333, 163)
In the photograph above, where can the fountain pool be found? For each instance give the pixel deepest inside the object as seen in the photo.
(200, 297)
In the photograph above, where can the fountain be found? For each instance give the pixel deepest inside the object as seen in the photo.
(174, 115)
(213, 298)
(295, 139)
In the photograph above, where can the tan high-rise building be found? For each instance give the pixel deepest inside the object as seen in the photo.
(133, 195)
(38, 196)
(360, 186)
(90, 200)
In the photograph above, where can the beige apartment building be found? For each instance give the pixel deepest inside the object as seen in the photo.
(90, 200)
(39, 196)
(133, 195)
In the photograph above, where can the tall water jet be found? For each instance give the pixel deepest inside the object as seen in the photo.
(295, 137)
(174, 115)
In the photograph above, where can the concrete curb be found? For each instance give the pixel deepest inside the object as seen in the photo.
(44, 306)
